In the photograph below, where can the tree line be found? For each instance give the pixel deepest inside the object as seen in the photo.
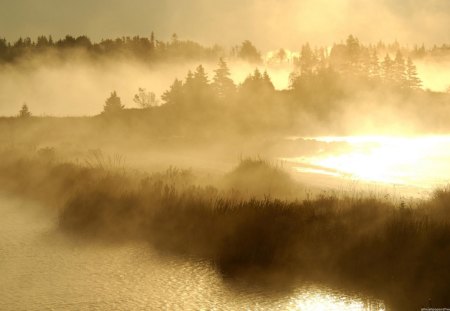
(197, 89)
(352, 59)
(150, 49)
(147, 49)
(315, 75)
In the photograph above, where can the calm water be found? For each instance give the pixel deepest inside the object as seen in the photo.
(420, 163)
(42, 270)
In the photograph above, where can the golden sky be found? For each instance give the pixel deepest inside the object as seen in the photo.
(269, 23)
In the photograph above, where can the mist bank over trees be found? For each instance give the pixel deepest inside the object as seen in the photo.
(147, 50)
(72, 76)
(350, 88)
(150, 49)
(335, 95)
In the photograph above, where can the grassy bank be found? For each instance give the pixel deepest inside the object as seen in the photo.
(398, 252)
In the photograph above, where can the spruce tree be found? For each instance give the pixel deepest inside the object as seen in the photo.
(307, 60)
(353, 54)
(113, 104)
(24, 112)
(175, 94)
(399, 70)
(248, 52)
(374, 71)
(387, 69)
(222, 83)
(267, 81)
(413, 80)
(200, 77)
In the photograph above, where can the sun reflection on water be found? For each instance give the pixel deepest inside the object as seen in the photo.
(418, 161)
(328, 302)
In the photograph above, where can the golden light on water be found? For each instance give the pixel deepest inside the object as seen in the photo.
(329, 302)
(417, 161)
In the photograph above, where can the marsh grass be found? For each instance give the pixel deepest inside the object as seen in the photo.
(258, 178)
(395, 251)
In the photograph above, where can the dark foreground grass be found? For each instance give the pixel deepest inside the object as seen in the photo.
(398, 253)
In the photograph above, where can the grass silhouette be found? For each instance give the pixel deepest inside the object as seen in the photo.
(396, 251)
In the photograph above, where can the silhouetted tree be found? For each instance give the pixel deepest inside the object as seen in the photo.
(42, 42)
(399, 70)
(152, 41)
(200, 77)
(267, 81)
(363, 68)
(174, 38)
(4, 50)
(24, 112)
(113, 104)
(257, 83)
(307, 60)
(353, 51)
(248, 52)
(146, 49)
(339, 58)
(321, 59)
(388, 69)
(413, 81)
(145, 99)
(374, 69)
(175, 94)
(253, 81)
(189, 79)
(197, 89)
(279, 57)
(222, 83)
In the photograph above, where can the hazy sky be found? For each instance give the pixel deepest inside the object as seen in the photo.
(269, 23)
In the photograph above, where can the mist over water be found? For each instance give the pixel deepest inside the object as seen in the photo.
(420, 163)
(60, 90)
(42, 269)
(260, 155)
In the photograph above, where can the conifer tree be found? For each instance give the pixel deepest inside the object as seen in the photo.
(24, 112)
(267, 81)
(399, 70)
(365, 64)
(113, 104)
(175, 94)
(248, 52)
(387, 69)
(222, 83)
(307, 60)
(196, 89)
(200, 77)
(353, 49)
(374, 71)
(189, 79)
(413, 80)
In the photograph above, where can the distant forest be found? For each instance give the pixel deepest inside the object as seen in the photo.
(345, 88)
(152, 50)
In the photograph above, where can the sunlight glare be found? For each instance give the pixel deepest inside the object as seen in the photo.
(388, 159)
(328, 302)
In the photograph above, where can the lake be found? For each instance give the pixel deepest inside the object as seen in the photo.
(415, 164)
(41, 269)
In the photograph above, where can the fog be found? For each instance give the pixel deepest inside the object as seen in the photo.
(225, 155)
(270, 23)
(435, 74)
(80, 87)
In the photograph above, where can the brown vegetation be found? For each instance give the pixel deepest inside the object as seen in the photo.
(397, 252)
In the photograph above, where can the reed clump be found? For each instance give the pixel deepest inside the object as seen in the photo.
(397, 251)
